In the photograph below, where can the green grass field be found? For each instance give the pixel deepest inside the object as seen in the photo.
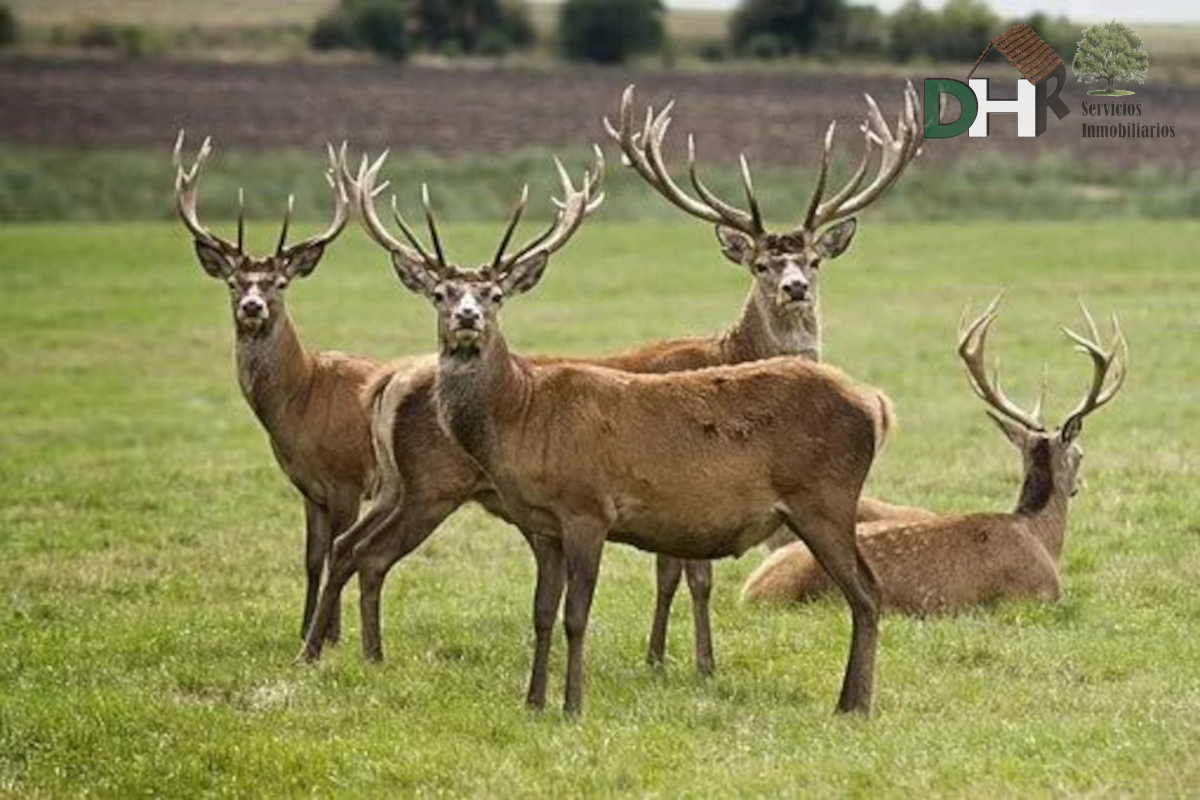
(153, 571)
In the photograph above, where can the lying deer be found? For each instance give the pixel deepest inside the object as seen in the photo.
(778, 318)
(307, 402)
(699, 464)
(953, 562)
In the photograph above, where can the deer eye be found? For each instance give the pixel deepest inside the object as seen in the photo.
(497, 296)
(281, 282)
(439, 295)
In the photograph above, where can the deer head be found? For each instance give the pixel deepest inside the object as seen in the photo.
(784, 265)
(256, 285)
(1025, 429)
(468, 301)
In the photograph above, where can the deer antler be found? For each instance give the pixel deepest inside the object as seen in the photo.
(897, 152)
(342, 192)
(1115, 358)
(367, 191)
(187, 183)
(972, 340)
(643, 152)
(573, 208)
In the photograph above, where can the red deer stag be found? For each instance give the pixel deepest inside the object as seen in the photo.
(701, 464)
(774, 321)
(782, 313)
(953, 562)
(307, 402)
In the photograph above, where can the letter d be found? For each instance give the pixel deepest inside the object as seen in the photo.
(968, 106)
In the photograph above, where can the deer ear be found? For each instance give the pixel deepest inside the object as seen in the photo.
(1071, 429)
(835, 240)
(212, 260)
(1014, 432)
(736, 245)
(524, 275)
(413, 274)
(301, 263)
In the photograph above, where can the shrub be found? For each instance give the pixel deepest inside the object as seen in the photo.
(382, 26)
(713, 50)
(858, 31)
(8, 26)
(610, 31)
(464, 26)
(965, 28)
(795, 24)
(764, 46)
(913, 30)
(334, 31)
(131, 41)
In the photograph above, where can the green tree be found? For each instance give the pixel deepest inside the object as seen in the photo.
(610, 31)
(795, 24)
(914, 28)
(1111, 51)
(472, 26)
(378, 25)
(8, 25)
(965, 27)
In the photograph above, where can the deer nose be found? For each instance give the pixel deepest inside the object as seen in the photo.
(796, 289)
(467, 316)
(253, 307)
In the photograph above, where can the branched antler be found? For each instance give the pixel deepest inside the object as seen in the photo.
(1115, 360)
(972, 341)
(187, 183)
(898, 150)
(643, 151)
(574, 207)
(342, 194)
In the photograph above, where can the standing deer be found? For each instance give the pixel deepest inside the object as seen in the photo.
(953, 562)
(700, 464)
(433, 475)
(781, 316)
(307, 402)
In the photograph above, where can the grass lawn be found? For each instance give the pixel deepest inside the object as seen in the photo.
(153, 553)
(1107, 93)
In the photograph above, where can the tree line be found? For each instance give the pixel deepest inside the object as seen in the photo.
(612, 31)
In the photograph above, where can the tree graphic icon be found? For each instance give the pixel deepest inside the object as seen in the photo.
(1111, 51)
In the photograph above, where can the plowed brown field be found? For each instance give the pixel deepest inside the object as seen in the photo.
(772, 117)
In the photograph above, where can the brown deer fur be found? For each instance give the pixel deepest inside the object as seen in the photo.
(780, 317)
(308, 402)
(951, 562)
(699, 464)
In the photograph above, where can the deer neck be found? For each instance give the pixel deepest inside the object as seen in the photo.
(765, 330)
(478, 391)
(1043, 501)
(274, 371)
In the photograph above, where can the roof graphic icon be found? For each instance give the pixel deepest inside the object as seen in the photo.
(1026, 51)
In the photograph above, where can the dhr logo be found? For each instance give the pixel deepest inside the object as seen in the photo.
(1036, 62)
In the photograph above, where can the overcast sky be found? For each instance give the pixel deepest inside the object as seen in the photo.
(1078, 10)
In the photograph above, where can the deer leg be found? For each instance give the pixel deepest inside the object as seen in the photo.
(667, 572)
(583, 544)
(834, 545)
(548, 553)
(699, 577)
(341, 568)
(317, 539)
(343, 515)
(377, 553)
